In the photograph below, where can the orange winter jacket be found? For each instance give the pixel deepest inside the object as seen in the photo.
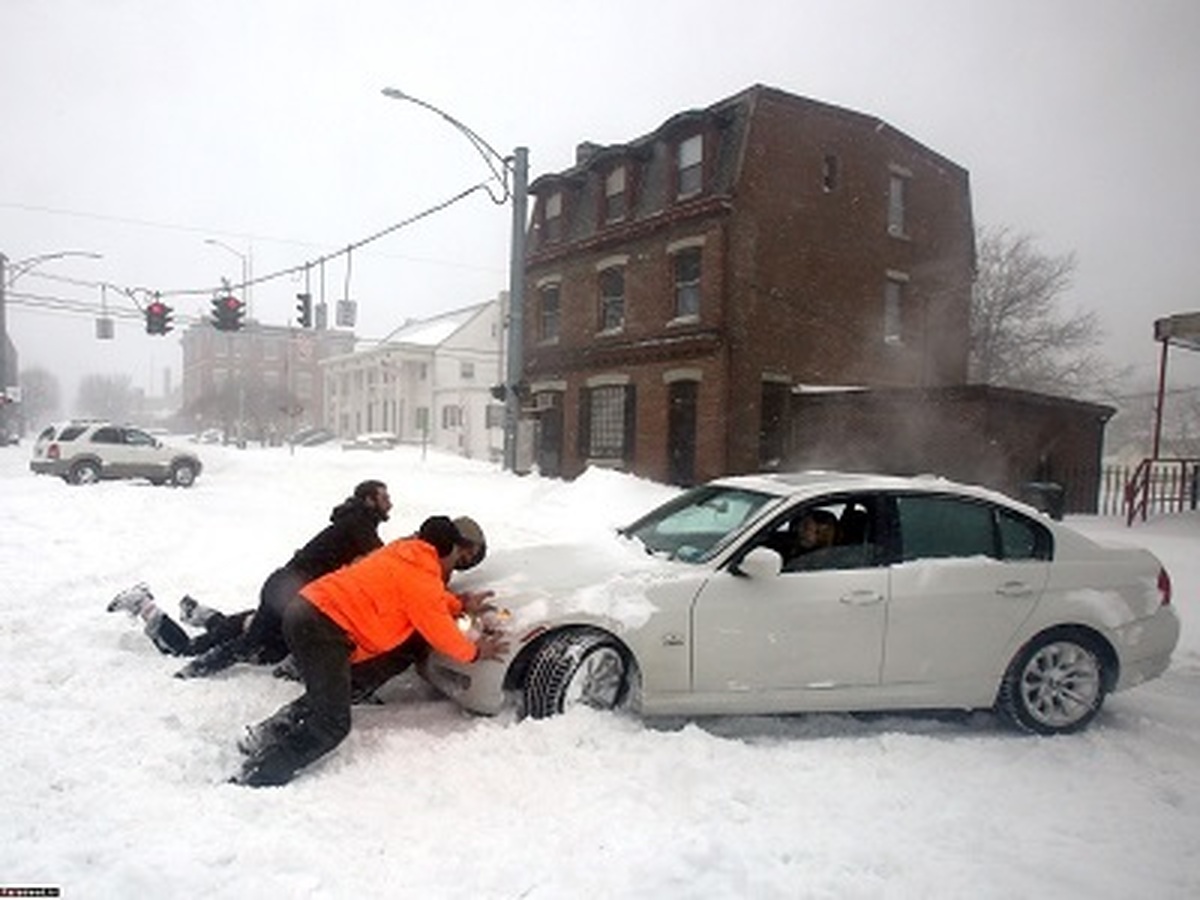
(382, 598)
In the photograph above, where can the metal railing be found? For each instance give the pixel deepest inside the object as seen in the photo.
(1160, 485)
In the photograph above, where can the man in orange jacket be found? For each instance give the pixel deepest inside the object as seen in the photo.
(392, 597)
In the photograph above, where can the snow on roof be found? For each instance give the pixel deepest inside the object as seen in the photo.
(434, 331)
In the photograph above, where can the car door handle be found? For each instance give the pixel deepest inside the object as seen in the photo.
(861, 598)
(1014, 589)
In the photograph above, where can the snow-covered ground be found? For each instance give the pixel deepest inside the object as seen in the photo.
(113, 772)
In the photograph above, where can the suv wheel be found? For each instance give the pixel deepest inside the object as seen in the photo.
(183, 474)
(86, 471)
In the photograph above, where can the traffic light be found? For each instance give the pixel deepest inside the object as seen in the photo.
(227, 313)
(304, 310)
(158, 318)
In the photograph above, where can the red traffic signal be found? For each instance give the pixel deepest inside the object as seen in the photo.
(158, 318)
(227, 313)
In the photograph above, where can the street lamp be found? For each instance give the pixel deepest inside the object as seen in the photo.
(500, 167)
(235, 365)
(7, 278)
(247, 266)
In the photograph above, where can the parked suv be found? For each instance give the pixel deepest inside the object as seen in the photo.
(83, 452)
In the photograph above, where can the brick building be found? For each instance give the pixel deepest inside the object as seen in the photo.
(262, 382)
(679, 286)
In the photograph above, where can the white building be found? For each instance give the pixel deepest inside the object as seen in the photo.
(428, 381)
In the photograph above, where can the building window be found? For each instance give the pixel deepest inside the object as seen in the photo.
(829, 172)
(554, 217)
(893, 306)
(616, 202)
(691, 166)
(548, 321)
(687, 283)
(452, 417)
(494, 415)
(897, 187)
(607, 422)
(466, 370)
(612, 298)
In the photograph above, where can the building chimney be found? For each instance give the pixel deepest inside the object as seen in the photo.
(585, 151)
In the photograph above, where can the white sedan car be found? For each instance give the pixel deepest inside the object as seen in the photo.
(824, 591)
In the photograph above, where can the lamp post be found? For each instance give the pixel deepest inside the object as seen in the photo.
(235, 365)
(500, 167)
(247, 267)
(8, 275)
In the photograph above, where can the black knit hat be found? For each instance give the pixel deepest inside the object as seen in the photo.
(441, 533)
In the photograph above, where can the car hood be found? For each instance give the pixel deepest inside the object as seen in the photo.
(606, 580)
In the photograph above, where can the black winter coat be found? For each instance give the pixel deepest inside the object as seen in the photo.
(353, 531)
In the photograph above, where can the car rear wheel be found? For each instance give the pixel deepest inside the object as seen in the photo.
(183, 474)
(580, 666)
(85, 471)
(1056, 684)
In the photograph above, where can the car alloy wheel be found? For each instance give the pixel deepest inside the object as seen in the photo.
(183, 474)
(85, 472)
(579, 666)
(1056, 684)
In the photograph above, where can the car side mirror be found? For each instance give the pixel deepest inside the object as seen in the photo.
(761, 562)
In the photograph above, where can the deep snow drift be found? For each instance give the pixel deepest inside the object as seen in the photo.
(113, 780)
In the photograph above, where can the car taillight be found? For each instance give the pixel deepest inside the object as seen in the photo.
(52, 451)
(1164, 588)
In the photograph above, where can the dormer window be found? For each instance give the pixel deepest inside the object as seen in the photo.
(553, 217)
(616, 196)
(691, 166)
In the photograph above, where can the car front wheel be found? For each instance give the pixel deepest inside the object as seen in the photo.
(1056, 684)
(183, 474)
(85, 472)
(580, 666)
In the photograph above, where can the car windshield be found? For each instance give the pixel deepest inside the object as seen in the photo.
(696, 525)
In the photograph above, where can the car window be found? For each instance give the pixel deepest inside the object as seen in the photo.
(70, 432)
(47, 433)
(108, 435)
(933, 527)
(1022, 538)
(834, 533)
(139, 438)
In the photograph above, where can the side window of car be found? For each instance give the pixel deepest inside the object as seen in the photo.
(1022, 538)
(837, 533)
(107, 435)
(138, 438)
(933, 527)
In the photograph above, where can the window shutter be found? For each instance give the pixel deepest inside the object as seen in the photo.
(585, 424)
(630, 422)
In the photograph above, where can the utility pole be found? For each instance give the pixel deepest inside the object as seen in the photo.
(516, 306)
(3, 329)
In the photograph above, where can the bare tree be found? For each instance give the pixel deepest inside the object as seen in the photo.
(108, 396)
(1020, 336)
(40, 396)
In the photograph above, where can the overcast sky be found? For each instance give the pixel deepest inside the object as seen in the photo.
(138, 129)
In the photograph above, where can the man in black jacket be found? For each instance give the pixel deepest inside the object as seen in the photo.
(256, 635)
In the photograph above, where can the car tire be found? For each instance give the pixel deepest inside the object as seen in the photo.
(1056, 684)
(183, 474)
(579, 666)
(86, 471)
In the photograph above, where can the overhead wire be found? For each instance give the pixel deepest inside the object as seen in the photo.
(133, 293)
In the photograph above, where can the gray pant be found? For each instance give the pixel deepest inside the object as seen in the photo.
(319, 720)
